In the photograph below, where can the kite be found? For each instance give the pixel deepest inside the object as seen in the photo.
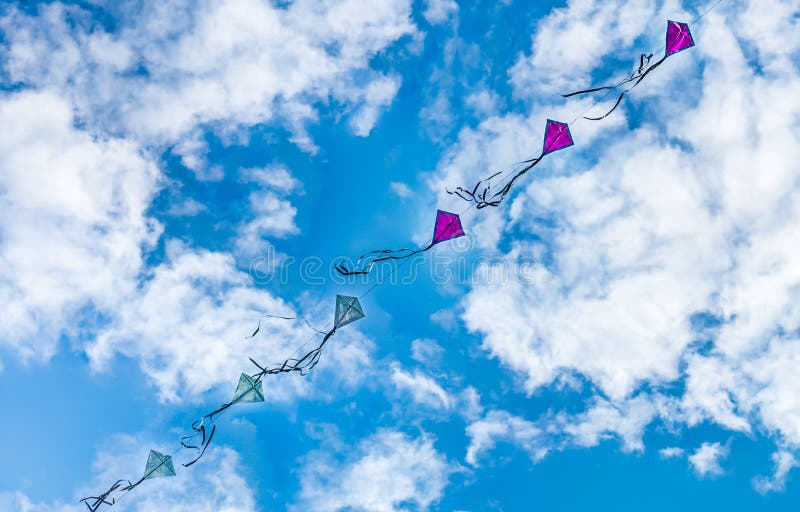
(158, 466)
(679, 38)
(447, 227)
(249, 390)
(556, 137)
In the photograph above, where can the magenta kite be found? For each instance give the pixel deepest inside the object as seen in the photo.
(556, 137)
(679, 38)
(447, 227)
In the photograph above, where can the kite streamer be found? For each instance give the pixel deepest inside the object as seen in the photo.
(447, 227)
(249, 390)
(281, 318)
(679, 38)
(556, 137)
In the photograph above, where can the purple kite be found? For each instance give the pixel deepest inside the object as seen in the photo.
(448, 226)
(556, 136)
(679, 38)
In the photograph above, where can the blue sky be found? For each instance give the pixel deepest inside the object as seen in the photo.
(177, 168)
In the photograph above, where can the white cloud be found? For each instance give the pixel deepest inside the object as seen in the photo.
(784, 463)
(75, 222)
(426, 351)
(602, 420)
(439, 11)
(187, 207)
(210, 64)
(401, 190)
(671, 452)
(483, 102)
(423, 389)
(706, 459)
(501, 425)
(384, 473)
(269, 215)
(377, 95)
(445, 319)
(216, 484)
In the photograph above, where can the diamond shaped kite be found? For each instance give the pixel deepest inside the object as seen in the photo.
(158, 465)
(448, 226)
(556, 136)
(679, 37)
(249, 390)
(348, 310)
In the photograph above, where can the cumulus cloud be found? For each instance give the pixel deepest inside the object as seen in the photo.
(672, 452)
(383, 473)
(75, 221)
(173, 67)
(439, 11)
(424, 390)
(558, 431)
(706, 460)
(80, 171)
(784, 461)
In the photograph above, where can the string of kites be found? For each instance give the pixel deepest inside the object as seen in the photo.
(348, 309)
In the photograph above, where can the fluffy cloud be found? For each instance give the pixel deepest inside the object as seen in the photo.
(75, 222)
(174, 66)
(384, 473)
(423, 389)
(558, 431)
(74, 248)
(784, 462)
(706, 459)
(672, 452)
(439, 11)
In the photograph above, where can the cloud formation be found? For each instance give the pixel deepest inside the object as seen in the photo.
(386, 472)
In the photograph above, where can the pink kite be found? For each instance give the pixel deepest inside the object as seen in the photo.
(556, 136)
(679, 38)
(447, 227)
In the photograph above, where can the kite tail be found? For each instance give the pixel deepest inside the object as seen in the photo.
(303, 364)
(199, 428)
(103, 499)
(258, 328)
(636, 77)
(619, 100)
(588, 91)
(474, 196)
(483, 199)
(366, 261)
